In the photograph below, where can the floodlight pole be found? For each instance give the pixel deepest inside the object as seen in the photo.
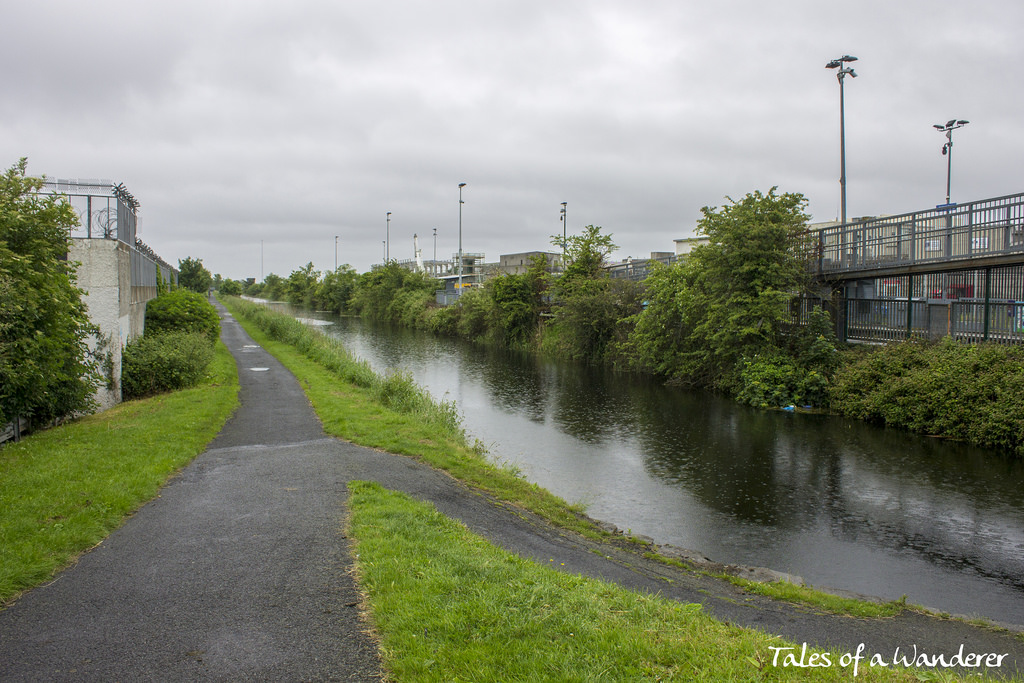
(387, 239)
(335, 253)
(562, 218)
(840, 74)
(947, 149)
(461, 185)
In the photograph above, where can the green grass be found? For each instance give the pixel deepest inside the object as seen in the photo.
(790, 592)
(450, 606)
(802, 595)
(64, 489)
(391, 413)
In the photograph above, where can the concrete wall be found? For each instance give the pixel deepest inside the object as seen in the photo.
(104, 274)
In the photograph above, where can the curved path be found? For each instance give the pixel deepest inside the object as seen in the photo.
(239, 569)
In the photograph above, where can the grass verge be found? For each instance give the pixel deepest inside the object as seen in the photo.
(64, 489)
(391, 412)
(450, 606)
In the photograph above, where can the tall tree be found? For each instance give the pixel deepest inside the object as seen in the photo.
(585, 253)
(193, 275)
(729, 300)
(301, 285)
(46, 370)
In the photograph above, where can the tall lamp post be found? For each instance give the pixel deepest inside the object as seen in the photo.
(561, 217)
(840, 74)
(947, 149)
(435, 252)
(335, 253)
(387, 239)
(461, 185)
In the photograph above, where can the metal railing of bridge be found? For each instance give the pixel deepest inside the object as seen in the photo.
(886, 320)
(989, 228)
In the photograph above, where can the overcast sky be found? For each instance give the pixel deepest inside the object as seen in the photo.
(292, 122)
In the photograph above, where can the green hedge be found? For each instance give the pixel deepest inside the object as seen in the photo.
(182, 311)
(164, 362)
(972, 393)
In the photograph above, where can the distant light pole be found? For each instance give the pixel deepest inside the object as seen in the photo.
(461, 185)
(842, 71)
(435, 250)
(947, 149)
(562, 218)
(387, 239)
(335, 253)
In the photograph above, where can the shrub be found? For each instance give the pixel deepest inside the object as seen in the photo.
(231, 288)
(164, 362)
(958, 391)
(774, 380)
(474, 308)
(182, 311)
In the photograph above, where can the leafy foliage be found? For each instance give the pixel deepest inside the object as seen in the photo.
(46, 369)
(230, 288)
(585, 253)
(170, 361)
(721, 318)
(182, 311)
(592, 317)
(591, 312)
(377, 292)
(300, 287)
(969, 392)
(194, 276)
(336, 289)
(519, 300)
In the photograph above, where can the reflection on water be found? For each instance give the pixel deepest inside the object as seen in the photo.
(837, 502)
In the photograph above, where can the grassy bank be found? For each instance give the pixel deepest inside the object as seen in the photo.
(64, 489)
(452, 607)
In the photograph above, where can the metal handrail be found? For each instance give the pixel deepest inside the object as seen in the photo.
(948, 233)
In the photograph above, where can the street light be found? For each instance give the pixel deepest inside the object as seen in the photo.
(947, 149)
(435, 252)
(387, 239)
(562, 218)
(335, 253)
(461, 185)
(840, 74)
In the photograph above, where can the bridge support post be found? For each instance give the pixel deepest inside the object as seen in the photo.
(910, 304)
(988, 300)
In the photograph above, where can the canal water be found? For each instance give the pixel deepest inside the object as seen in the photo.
(838, 502)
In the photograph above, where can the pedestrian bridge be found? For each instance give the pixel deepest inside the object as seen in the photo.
(950, 237)
(954, 270)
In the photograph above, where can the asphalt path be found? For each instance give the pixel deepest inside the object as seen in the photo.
(240, 570)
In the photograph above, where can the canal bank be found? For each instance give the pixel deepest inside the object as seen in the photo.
(844, 505)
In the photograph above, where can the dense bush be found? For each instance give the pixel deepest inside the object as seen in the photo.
(231, 288)
(969, 392)
(593, 318)
(182, 311)
(164, 362)
(46, 368)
